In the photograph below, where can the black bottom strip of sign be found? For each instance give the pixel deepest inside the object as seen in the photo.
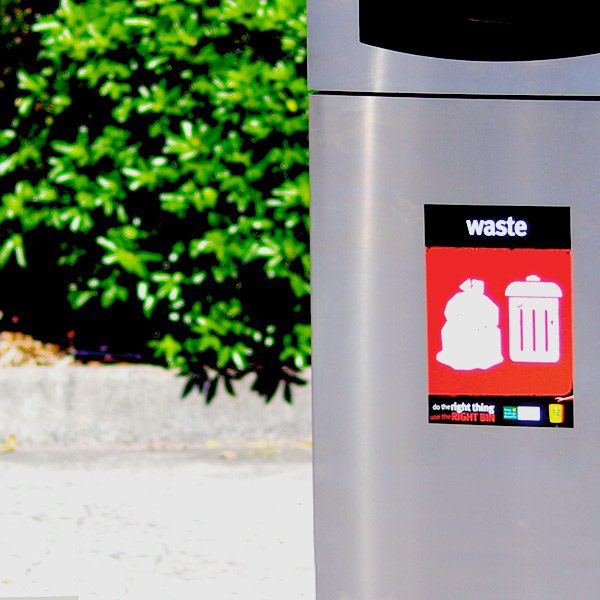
(513, 411)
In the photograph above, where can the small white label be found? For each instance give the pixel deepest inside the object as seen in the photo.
(529, 413)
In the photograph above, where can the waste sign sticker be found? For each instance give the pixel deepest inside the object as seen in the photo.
(499, 315)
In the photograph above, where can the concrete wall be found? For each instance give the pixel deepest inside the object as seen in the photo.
(136, 405)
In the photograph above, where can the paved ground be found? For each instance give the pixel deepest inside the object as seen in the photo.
(157, 525)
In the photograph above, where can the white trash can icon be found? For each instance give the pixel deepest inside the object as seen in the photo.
(534, 321)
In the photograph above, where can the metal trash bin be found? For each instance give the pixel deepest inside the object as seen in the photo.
(438, 476)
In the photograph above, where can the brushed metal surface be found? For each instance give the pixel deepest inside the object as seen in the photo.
(339, 62)
(406, 510)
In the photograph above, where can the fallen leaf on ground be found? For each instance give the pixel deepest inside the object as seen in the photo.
(17, 349)
(229, 455)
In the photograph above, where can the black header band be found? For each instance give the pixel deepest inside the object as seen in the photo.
(478, 226)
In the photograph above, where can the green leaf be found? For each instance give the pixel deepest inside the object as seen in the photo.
(13, 246)
(79, 299)
(211, 390)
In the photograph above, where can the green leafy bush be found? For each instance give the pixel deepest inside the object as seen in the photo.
(158, 151)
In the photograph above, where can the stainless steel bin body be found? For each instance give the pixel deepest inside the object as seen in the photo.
(406, 509)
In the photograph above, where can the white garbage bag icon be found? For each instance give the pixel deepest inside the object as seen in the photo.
(471, 337)
(534, 325)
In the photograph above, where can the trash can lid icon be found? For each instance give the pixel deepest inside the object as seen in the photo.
(533, 287)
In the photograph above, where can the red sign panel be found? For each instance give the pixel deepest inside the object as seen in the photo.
(499, 324)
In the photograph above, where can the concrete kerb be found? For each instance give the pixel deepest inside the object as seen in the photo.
(91, 406)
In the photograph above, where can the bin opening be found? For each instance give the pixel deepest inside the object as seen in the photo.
(496, 32)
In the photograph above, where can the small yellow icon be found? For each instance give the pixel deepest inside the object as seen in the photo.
(557, 413)
(8, 445)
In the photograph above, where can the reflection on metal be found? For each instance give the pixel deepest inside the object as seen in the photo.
(366, 232)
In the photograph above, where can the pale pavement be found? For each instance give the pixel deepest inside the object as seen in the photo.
(157, 525)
